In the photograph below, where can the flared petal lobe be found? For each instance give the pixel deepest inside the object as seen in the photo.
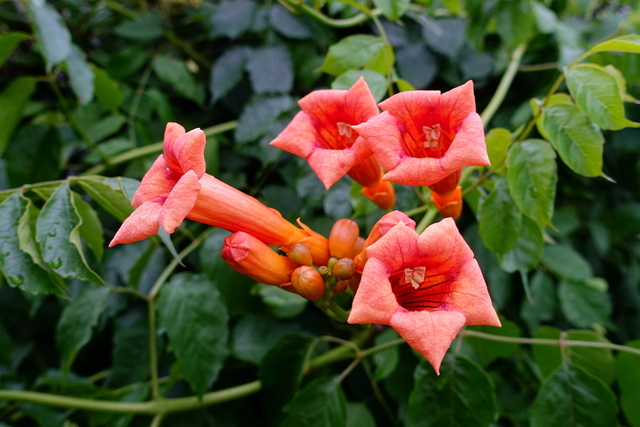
(323, 131)
(425, 286)
(423, 136)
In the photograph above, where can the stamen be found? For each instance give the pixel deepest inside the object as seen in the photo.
(415, 276)
(432, 135)
(344, 129)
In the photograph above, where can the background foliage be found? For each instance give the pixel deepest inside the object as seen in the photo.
(86, 88)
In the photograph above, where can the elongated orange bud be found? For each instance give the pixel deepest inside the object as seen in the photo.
(317, 244)
(343, 237)
(307, 282)
(381, 193)
(450, 204)
(249, 256)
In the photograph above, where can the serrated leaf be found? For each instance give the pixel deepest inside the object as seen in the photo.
(595, 361)
(515, 20)
(281, 370)
(500, 219)
(80, 75)
(34, 155)
(231, 18)
(488, 351)
(543, 302)
(597, 93)
(351, 52)
(8, 42)
(462, 396)
(107, 90)
(444, 35)
(416, 65)
(288, 24)
(144, 27)
(53, 36)
(583, 305)
(58, 236)
(130, 354)
(16, 265)
(377, 83)
(578, 141)
(572, 397)
(175, 73)
(109, 193)
(629, 383)
(498, 142)
(629, 43)
(566, 262)
(320, 403)
(258, 114)
(195, 317)
(270, 70)
(527, 252)
(254, 334)
(532, 175)
(78, 320)
(392, 9)
(281, 304)
(12, 101)
(227, 71)
(382, 61)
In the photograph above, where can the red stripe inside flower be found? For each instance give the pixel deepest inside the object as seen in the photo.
(416, 290)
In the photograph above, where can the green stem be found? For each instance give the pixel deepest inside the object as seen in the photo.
(319, 16)
(418, 210)
(160, 406)
(505, 84)
(153, 350)
(153, 149)
(426, 220)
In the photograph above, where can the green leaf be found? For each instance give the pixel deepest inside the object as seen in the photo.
(572, 397)
(8, 42)
(629, 43)
(145, 27)
(527, 252)
(385, 360)
(175, 73)
(532, 175)
(584, 305)
(500, 219)
(107, 90)
(231, 18)
(377, 82)
(629, 383)
(462, 396)
(515, 21)
(498, 142)
(90, 226)
(58, 236)
(542, 305)
(597, 93)
(16, 264)
(12, 102)
(350, 53)
(130, 354)
(392, 9)
(80, 75)
(227, 71)
(254, 334)
(258, 114)
(270, 70)
(320, 404)
(53, 36)
(488, 351)
(34, 155)
(281, 304)
(109, 193)
(595, 361)
(444, 35)
(566, 262)
(359, 416)
(577, 140)
(195, 317)
(77, 321)
(281, 370)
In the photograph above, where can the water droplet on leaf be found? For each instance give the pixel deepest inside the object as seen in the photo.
(56, 263)
(16, 280)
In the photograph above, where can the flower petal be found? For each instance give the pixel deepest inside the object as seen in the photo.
(443, 248)
(172, 132)
(429, 332)
(374, 301)
(471, 297)
(142, 223)
(156, 183)
(189, 152)
(382, 135)
(180, 202)
(397, 249)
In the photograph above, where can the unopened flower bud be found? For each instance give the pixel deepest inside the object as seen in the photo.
(343, 236)
(249, 256)
(449, 205)
(344, 269)
(381, 193)
(317, 244)
(357, 248)
(340, 287)
(300, 254)
(307, 282)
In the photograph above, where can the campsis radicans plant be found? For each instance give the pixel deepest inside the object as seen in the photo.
(426, 286)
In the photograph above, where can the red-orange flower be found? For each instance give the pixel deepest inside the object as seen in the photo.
(422, 136)
(177, 187)
(427, 287)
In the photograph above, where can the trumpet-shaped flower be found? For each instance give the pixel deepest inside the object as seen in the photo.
(427, 287)
(177, 187)
(422, 136)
